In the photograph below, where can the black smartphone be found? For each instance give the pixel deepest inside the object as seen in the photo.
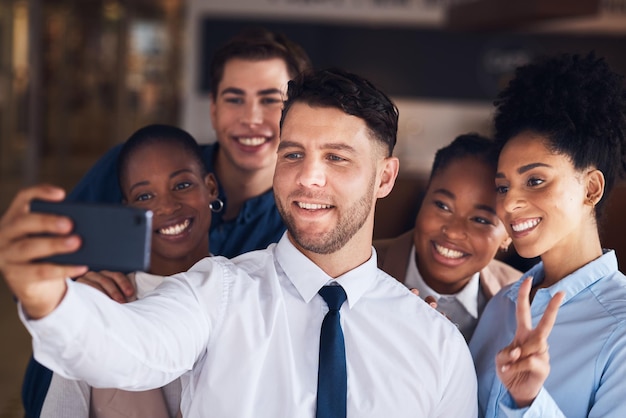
(114, 237)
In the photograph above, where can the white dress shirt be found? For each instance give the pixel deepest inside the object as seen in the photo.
(462, 308)
(245, 334)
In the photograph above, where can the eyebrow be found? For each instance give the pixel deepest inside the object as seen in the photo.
(241, 92)
(486, 208)
(445, 192)
(525, 168)
(174, 174)
(181, 171)
(141, 183)
(331, 145)
(451, 195)
(340, 147)
(288, 144)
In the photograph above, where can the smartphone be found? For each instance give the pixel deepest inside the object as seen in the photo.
(114, 237)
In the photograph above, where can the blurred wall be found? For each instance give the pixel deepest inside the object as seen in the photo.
(442, 80)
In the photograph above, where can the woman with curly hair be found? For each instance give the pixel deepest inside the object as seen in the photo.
(561, 124)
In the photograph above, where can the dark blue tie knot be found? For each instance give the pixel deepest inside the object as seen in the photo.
(334, 296)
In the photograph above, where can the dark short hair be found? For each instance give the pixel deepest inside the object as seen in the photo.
(350, 93)
(158, 134)
(258, 44)
(578, 103)
(466, 145)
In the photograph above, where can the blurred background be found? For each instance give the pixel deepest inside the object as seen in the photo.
(79, 76)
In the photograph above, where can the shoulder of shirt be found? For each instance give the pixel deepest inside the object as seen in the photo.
(249, 262)
(382, 275)
(410, 304)
(610, 292)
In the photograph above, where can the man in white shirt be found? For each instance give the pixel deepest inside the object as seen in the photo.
(245, 333)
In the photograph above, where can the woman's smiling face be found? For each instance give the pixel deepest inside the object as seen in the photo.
(166, 179)
(541, 195)
(457, 232)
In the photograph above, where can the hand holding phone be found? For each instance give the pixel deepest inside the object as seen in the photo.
(114, 237)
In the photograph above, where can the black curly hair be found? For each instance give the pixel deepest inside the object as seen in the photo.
(578, 104)
(353, 94)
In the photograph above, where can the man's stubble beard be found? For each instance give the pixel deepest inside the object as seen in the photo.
(348, 224)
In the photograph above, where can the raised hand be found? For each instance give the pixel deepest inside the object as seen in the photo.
(115, 285)
(39, 286)
(524, 365)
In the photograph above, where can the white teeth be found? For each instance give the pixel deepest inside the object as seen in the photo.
(252, 142)
(447, 252)
(175, 229)
(523, 226)
(313, 206)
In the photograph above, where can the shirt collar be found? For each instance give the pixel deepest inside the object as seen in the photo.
(467, 297)
(308, 278)
(572, 284)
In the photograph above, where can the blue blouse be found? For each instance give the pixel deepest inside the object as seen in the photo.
(587, 345)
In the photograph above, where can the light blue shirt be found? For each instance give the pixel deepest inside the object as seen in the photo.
(246, 334)
(587, 345)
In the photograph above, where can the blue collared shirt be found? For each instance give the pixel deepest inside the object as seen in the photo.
(587, 345)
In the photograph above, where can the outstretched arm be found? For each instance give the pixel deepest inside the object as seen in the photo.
(26, 237)
(71, 324)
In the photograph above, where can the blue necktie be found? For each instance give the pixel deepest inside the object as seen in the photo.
(331, 375)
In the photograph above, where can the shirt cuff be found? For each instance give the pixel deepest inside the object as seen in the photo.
(542, 407)
(509, 408)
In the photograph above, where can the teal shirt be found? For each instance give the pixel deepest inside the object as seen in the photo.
(587, 345)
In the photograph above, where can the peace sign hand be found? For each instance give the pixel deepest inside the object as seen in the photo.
(524, 365)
